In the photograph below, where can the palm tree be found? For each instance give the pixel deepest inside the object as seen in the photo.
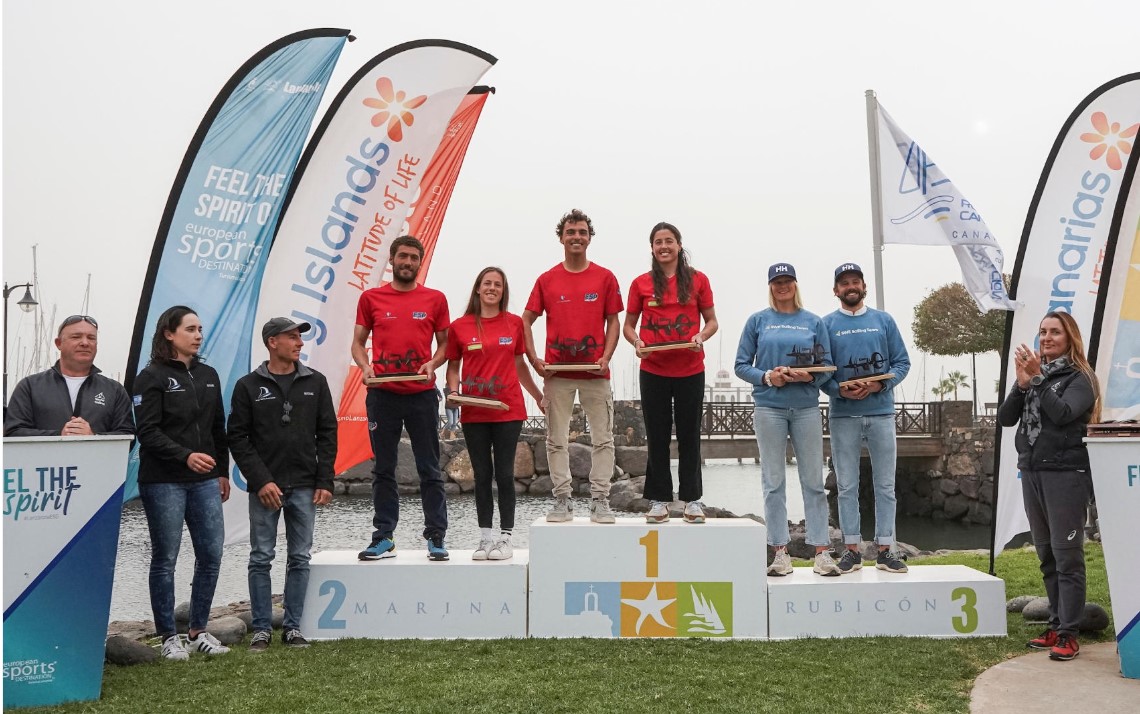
(941, 389)
(955, 380)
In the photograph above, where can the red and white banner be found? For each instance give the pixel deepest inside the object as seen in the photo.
(355, 190)
(1062, 252)
(424, 220)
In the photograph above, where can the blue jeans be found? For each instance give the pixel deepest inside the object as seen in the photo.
(388, 415)
(847, 437)
(773, 426)
(300, 517)
(167, 506)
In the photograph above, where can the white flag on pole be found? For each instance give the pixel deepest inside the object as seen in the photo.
(921, 206)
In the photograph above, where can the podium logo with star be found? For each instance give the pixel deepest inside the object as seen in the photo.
(652, 609)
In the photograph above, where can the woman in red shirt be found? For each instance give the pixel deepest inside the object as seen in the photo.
(672, 299)
(489, 343)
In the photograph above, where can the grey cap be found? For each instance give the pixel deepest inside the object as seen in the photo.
(277, 325)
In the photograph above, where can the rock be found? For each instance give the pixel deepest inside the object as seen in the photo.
(1094, 619)
(922, 486)
(581, 488)
(182, 615)
(984, 514)
(960, 465)
(126, 652)
(246, 617)
(229, 630)
(1036, 610)
(637, 484)
(542, 486)
(986, 491)
(830, 483)
(798, 546)
(969, 486)
(956, 506)
(1018, 603)
(409, 490)
(522, 486)
(524, 461)
(620, 501)
(277, 617)
(451, 489)
(580, 460)
(949, 486)
(461, 472)
(618, 487)
(360, 489)
(131, 629)
(937, 497)
(541, 462)
(631, 459)
(638, 505)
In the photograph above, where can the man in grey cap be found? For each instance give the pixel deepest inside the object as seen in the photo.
(282, 430)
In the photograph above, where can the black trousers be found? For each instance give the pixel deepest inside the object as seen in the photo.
(663, 400)
(492, 446)
(1056, 503)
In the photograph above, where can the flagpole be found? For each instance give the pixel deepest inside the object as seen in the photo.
(876, 198)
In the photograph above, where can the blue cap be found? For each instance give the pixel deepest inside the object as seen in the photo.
(848, 268)
(781, 270)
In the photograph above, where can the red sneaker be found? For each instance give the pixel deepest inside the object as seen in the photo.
(1065, 649)
(1044, 641)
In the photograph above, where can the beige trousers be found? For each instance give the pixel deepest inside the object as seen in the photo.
(597, 401)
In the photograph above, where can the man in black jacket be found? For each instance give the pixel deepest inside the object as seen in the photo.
(282, 431)
(72, 398)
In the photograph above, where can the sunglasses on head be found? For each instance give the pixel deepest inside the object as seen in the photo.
(68, 321)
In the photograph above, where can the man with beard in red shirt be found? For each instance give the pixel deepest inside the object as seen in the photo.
(582, 302)
(403, 317)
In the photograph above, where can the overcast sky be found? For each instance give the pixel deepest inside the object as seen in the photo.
(741, 123)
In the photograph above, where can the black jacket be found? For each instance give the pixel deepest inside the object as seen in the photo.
(179, 411)
(41, 405)
(299, 454)
(1066, 406)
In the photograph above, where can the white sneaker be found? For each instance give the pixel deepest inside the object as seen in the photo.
(172, 648)
(484, 547)
(658, 512)
(600, 511)
(825, 565)
(781, 564)
(694, 512)
(563, 510)
(502, 549)
(206, 643)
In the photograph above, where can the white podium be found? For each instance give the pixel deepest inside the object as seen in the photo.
(410, 596)
(927, 601)
(1115, 463)
(63, 498)
(637, 579)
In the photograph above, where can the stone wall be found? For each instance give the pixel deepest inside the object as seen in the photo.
(959, 486)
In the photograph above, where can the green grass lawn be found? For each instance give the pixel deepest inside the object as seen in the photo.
(882, 674)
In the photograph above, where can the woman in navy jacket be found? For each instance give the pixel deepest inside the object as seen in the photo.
(183, 474)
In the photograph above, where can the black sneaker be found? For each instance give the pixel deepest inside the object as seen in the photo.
(851, 561)
(260, 641)
(890, 561)
(294, 638)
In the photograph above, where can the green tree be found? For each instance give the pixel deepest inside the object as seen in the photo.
(956, 380)
(941, 389)
(947, 322)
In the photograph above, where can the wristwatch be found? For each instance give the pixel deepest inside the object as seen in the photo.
(1037, 379)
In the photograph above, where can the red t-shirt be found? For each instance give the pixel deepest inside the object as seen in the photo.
(403, 324)
(488, 368)
(576, 307)
(666, 320)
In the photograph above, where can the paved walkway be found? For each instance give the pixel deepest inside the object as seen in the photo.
(1033, 683)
